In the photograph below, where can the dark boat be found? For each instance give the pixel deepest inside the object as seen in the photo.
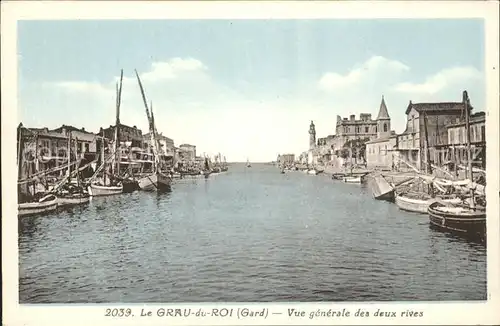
(461, 219)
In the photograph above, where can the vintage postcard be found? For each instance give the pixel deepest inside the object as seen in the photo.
(250, 163)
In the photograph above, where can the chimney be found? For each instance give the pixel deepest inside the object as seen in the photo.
(353, 117)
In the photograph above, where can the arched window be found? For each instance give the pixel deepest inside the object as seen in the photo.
(385, 127)
(376, 129)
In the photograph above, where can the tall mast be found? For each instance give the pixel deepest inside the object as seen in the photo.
(150, 122)
(102, 157)
(428, 168)
(117, 124)
(78, 164)
(470, 173)
(69, 155)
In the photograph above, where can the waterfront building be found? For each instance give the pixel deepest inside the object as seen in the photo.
(87, 141)
(187, 152)
(437, 116)
(131, 136)
(286, 159)
(326, 148)
(456, 148)
(166, 144)
(364, 128)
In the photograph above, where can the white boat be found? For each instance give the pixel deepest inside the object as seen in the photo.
(155, 181)
(100, 190)
(44, 205)
(312, 171)
(352, 179)
(412, 202)
(78, 198)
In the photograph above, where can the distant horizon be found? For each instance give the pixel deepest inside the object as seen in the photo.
(245, 88)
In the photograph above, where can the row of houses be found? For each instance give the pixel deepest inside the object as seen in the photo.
(52, 144)
(443, 122)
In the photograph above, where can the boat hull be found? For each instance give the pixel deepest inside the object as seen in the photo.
(312, 172)
(73, 199)
(464, 222)
(35, 208)
(98, 190)
(155, 182)
(420, 205)
(352, 179)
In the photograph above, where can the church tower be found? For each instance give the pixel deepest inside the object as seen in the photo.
(383, 121)
(312, 136)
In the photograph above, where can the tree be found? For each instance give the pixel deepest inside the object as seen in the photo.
(357, 145)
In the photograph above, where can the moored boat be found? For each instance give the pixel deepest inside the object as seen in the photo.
(102, 190)
(420, 202)
(461, 220)
(77, 198)
(312, 171)
(381, 189)
(155, 182)
(44, 205)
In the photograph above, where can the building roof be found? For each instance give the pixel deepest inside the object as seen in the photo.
(435, 107)
(71, 128)
(382, 113)
(186, 145)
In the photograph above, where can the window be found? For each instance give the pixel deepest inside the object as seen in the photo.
(366, 129)
(87, 147)
(483, 133)
(385, 127)
(376, 129)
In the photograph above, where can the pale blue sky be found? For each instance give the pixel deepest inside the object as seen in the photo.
(247, 88)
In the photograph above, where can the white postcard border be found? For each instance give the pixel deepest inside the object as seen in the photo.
(434, 313)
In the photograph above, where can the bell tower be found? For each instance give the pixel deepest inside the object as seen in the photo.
(312, 136)
(383, 121)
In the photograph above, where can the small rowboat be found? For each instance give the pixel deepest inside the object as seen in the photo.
(458, 219)
(68, 199)
(419, 203)
(44, 205)
(100, 190)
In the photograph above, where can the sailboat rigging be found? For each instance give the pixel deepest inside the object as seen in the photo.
(155, 181)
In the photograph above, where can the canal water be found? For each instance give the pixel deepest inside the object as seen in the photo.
(248, 235)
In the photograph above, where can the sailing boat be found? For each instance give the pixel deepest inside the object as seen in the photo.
(106, 186)
(67, 193)
(419, 201)
(465, 220)
(156, 181)
(28, 203)
(128, 182)
(248, 164)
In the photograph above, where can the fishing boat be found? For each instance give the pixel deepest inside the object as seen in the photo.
(467, 220)
(381, 189)
(458, 219)
(104, 186)
(420, 202)
(31, 202)
(71, 193)
(156, 181)
(127, 180)
(44, 205)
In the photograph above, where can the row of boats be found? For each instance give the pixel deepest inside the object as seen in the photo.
(36, 195)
